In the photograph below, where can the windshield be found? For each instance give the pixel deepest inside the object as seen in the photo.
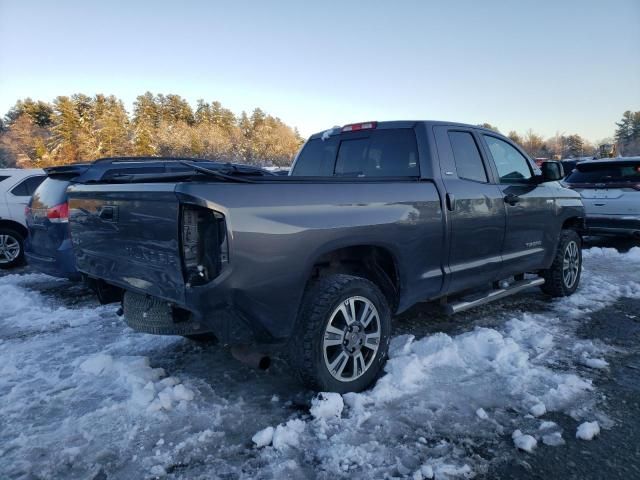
(605, 173)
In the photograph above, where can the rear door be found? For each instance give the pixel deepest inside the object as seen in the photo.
(475, 209)
(530, 207)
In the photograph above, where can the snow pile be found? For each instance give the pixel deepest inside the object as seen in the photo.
(264, 437)
(327, 406)
(588, 430)
(149, 386)
(524, 442)
(288, 434)
(490, 368)
(553, 439)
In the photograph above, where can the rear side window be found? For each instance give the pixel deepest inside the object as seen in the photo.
(467, 157)
(3, 178)
(27, 186)
(50, 193)
(378, 153)
(605, 173)
(512, 166)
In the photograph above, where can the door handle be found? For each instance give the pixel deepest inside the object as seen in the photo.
(511, 199)
(451, 201)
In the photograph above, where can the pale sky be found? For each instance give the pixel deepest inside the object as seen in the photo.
(553, 66)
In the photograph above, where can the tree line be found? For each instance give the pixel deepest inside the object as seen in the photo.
(83, 128)
(626, 138)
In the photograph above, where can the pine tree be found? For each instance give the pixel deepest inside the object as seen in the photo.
(624, 131)
(65, 131)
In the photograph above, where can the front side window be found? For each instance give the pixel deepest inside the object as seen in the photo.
(467, 157)
(512, 166)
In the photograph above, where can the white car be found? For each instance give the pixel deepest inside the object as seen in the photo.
(16, 187)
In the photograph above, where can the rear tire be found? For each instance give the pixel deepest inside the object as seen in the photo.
(342, 334)
(11, 248)
(563, 277)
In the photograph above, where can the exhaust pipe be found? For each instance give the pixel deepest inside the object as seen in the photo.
(251, 357)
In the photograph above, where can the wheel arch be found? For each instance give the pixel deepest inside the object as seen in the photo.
(375, 262)
(17, 226)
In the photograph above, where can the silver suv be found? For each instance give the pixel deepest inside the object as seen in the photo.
(610, 190)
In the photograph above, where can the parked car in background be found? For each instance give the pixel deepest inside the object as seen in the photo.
(568, 166)
(610, 190)
(373, 218)
(48, 247)
(16, 187)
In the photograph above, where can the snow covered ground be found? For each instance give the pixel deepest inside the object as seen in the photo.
(82, 396)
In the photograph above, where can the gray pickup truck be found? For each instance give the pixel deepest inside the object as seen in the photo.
(373, 218)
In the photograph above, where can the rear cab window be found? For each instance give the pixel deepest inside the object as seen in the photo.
(606, 172)
(391, 152)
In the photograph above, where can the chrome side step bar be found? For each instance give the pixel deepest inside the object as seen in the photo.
(474, 301)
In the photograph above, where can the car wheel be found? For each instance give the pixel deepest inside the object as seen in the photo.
(342, 336)
(11, 248)
(563, 277)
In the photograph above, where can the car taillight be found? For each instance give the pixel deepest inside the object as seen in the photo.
(205, 250)
(354, 127)
(27, 211)
(59, 213)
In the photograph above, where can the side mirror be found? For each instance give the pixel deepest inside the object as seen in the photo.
(552, 171)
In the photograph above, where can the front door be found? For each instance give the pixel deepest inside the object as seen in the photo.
(529, 206)
(475, 210)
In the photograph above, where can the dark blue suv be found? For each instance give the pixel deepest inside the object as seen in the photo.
(48, 246)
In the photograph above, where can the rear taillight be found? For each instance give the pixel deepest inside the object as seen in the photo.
(59, 213)
(27, 211)
(354, 127)
(205, 249)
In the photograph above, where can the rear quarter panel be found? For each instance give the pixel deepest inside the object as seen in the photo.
(278, 231)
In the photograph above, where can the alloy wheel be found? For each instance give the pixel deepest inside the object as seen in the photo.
(9, 248)
(570, 264)
(351, 338)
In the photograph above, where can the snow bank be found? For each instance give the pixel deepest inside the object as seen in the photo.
(588, 430)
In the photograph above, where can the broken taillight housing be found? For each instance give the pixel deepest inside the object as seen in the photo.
(205, 249)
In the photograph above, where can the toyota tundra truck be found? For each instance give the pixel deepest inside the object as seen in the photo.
(373, 218)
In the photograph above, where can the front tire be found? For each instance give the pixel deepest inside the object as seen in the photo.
(11, 248)
(563, 277)
(342, 336)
